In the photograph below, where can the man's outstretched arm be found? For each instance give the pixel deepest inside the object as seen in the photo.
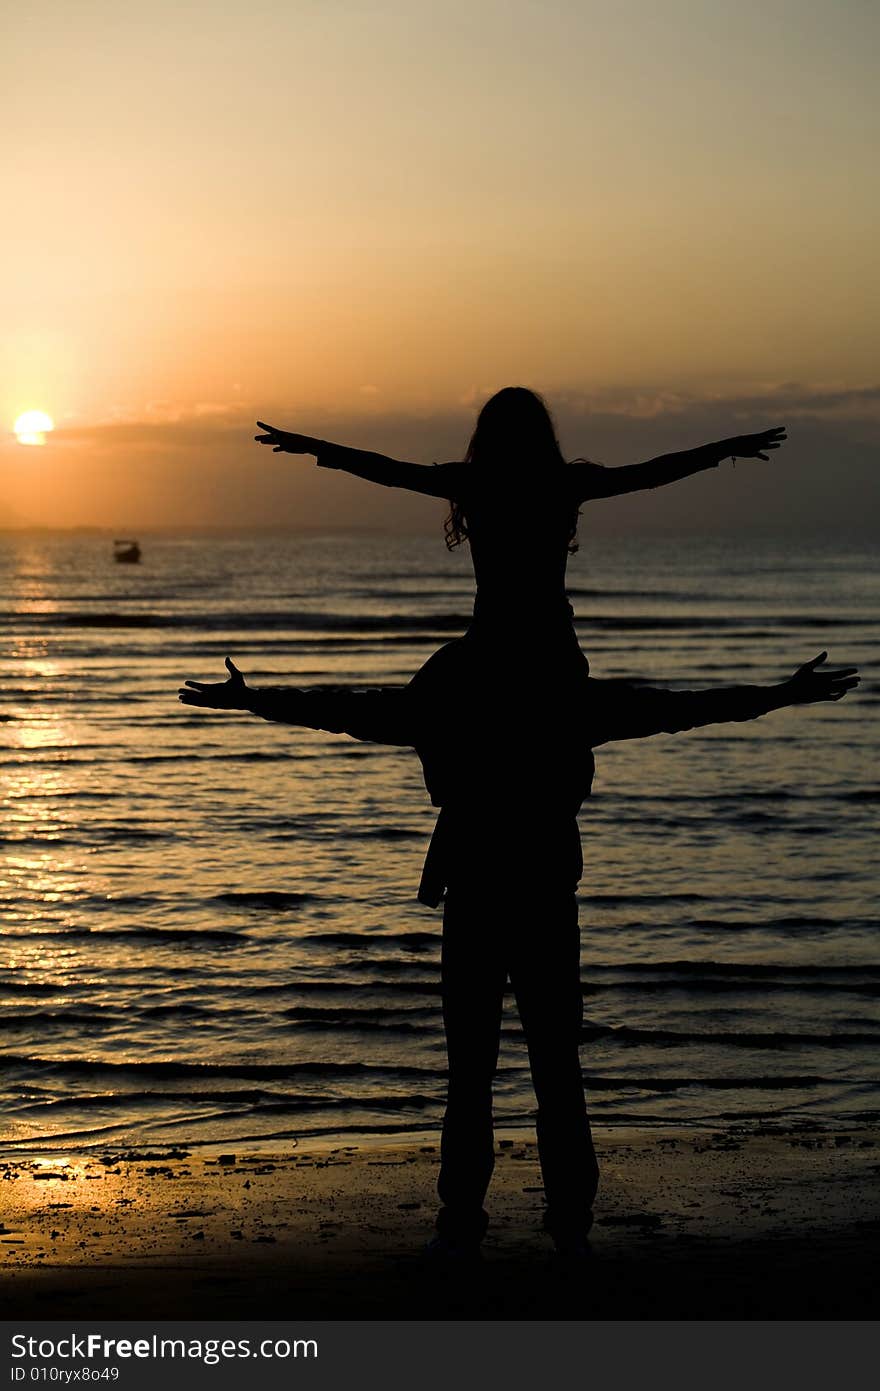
(622, 711)
(379, 716)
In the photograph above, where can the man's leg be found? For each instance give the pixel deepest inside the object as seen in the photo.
(473, 976)
(545, 972)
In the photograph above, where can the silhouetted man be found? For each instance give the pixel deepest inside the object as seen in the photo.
(509, 771)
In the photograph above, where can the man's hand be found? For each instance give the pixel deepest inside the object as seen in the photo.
(220, 695)
(753, 446)
(809, 683)
(282, 441)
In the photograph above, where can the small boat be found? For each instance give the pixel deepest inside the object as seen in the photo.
(126, 552)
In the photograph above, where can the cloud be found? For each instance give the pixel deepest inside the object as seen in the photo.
(790, 398)
(165, 425)
(189, 429)
(197, 465)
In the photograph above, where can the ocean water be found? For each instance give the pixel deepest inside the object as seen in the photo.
(208, 925)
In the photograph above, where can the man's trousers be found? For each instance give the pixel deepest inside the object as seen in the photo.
(533, 942)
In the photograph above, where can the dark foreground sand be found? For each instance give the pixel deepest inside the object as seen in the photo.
(708, 1224)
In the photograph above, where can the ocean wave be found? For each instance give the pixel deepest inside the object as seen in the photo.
(183, 1009)
(769, 1082)
(355, 1022)
(406, 941)
(272, 900)
(357, 621)
(87, 1067)
(785, 925)
(712, 982)
(752, 969)
(193, 936)
(261, 1100)
(97, 835)
(102, 1141)
(730, 1039)
(353, 1072)
(353, 1126)
(708, 985)
(647, 899)
(19, 987)
(247, 620)
(23, 1019)
(381, 973)
(102, 1016)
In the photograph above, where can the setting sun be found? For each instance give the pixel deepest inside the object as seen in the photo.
(32, 427)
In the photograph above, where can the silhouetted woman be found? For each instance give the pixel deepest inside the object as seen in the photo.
(516, 502)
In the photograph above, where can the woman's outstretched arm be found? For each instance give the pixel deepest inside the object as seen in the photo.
(378, 716)
(435, 480)
(594, 481)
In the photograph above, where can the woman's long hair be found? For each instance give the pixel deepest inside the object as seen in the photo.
(514, 424)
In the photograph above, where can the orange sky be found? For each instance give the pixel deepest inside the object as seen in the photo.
(365, 216)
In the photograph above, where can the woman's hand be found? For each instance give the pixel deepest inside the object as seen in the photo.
(753, 446)
(282, 441)
(220, 695)
(809, 684)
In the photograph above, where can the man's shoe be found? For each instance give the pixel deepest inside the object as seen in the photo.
(447, 1256)
(573, 1256)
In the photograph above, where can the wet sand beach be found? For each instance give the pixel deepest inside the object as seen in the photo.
(766, 1223)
